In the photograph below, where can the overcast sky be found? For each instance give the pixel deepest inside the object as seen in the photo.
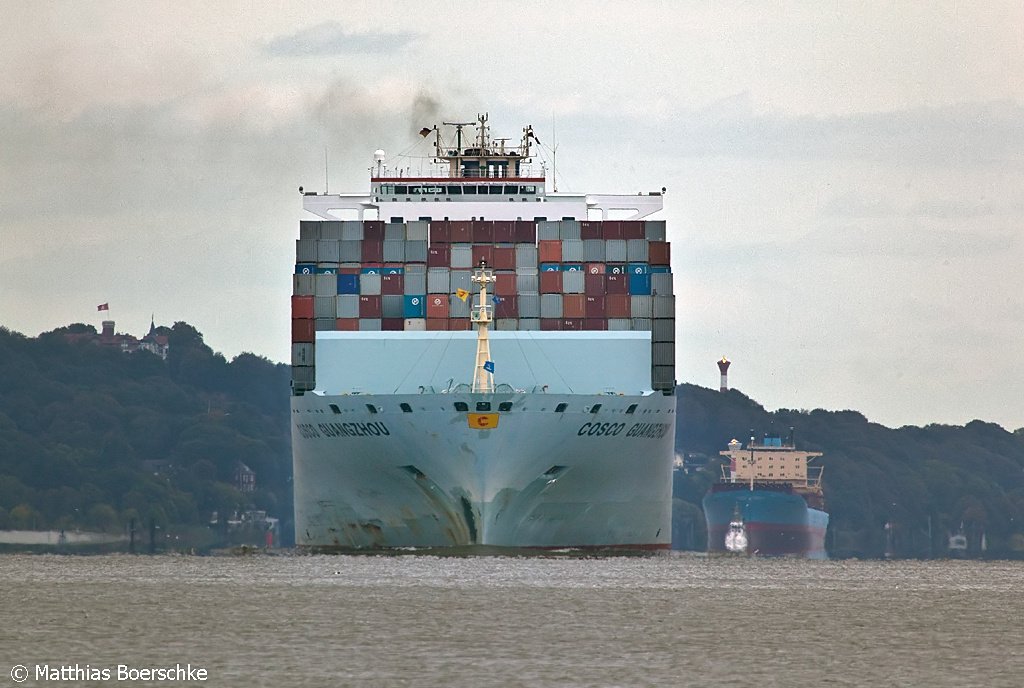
(845, 180)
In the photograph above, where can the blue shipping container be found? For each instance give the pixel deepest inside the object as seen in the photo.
(348, 284)
(615, 269)
(392, 271)
(550, 267)
(639, 279)
(370, 271)
(660, 269)
(305, 269)
(572, 267)
(326, 271)
(415, 306)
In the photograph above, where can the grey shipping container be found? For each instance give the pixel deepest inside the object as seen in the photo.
(461, 280)
(528, 284)
(636, 250)
(347, 306)
(394, 231)
(457, 308)
(526, 256)
(326, 285)
(369, 324)
(327, 251)
(663, 354)
(462, 256)
(551, 305)
(309, 230)
(438, 280)
(394, 252)
(324, 324)
(507, 324)
(529, 305)
(640, 307)
(620, 324)
(664, 306)
(654, 230)
(663, 330)
(305, 251)
(369, 284)
(615, 251)
(302, 354)
(352, 230)
(392, 306)
(415, 252)
(593, 251)
(661, 284)
(573, 282)
(331, 230)
(351, 251)
(663, 376)
(572, 251)
(641, 324)
(303, 378)
(417, 230)
(304, 285)
(415, 283)
(530, 324)
(547, 230)
(568, 229)
(324, 306)
(416, 269)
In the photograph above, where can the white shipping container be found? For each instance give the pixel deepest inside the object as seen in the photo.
(416, 324)
(529, 284)
(573, 282)
(572, 250)
(369, 284)
(529, 305)
(415, 284)
(636, 250)
(461, 279)
(438, 280)
(526, 256)
(417, 230)
(462, 255)
(352, 230)
(347, 306)
(615, 251)
(620, 324)
(369, 324)
(551, 305)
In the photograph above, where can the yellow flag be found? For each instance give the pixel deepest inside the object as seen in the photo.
(462, 293)
(482, 421)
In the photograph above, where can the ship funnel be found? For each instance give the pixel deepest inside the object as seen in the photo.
(723, 367)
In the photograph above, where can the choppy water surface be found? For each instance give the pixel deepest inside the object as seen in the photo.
(428, 621)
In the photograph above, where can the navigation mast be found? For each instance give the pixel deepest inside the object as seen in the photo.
(483, 376)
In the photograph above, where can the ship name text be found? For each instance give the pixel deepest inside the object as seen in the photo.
(320, 430)
(650, 431)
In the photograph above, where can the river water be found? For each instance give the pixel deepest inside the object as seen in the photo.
(667, 620)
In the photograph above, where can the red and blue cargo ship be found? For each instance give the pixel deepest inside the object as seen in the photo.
(770, 494)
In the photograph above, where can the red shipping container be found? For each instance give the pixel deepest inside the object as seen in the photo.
(440, 232)
(439, 256)
(392, 285)
(504, 258)
(504, 231)
(612, 229)
(590, 229)
(617, 306)
(459, 324)
(595, 307)
(549, 251)
(551, 282)
(302, 306)
(377, 267)
(632, 229)
(483, 252)
(572, 324)
(483, 232)
(616, 284)
(658, 252)
(434, 324)
(392, 324)
(373, 251)
(550, 324)
(437, 308)
(348, 271)
(594, 284)
(461, 232)
(595, 324)
(369, 306)
(525, 232)
(346, 324)
(505, 284)
(303, 330)
(573, 306)
(596, 269)
(373, 230)
(507, 308)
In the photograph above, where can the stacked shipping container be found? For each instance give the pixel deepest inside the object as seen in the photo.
(550, 275)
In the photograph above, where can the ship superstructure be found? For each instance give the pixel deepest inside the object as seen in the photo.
(770, 489)
(478, 362)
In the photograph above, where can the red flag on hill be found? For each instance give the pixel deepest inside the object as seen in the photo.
(103, 307)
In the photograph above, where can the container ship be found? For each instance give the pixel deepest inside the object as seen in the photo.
(769, 501)
(478, 362)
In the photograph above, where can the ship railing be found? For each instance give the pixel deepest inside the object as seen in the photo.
(445, 172)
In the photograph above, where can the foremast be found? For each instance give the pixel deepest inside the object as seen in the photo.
(483, 372)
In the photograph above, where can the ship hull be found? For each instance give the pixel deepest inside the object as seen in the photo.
(541, 479)
(777, 522)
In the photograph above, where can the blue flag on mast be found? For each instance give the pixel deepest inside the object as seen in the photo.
(489, 367)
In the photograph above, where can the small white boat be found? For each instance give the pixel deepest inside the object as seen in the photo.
(736, 536)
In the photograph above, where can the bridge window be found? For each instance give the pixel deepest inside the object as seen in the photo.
(495, 189)
(511, 189)
(471, 190)
(483, 406)
(527, 189)
(401, 189)
(454, 190)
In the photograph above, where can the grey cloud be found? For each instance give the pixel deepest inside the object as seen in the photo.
(330, 38)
